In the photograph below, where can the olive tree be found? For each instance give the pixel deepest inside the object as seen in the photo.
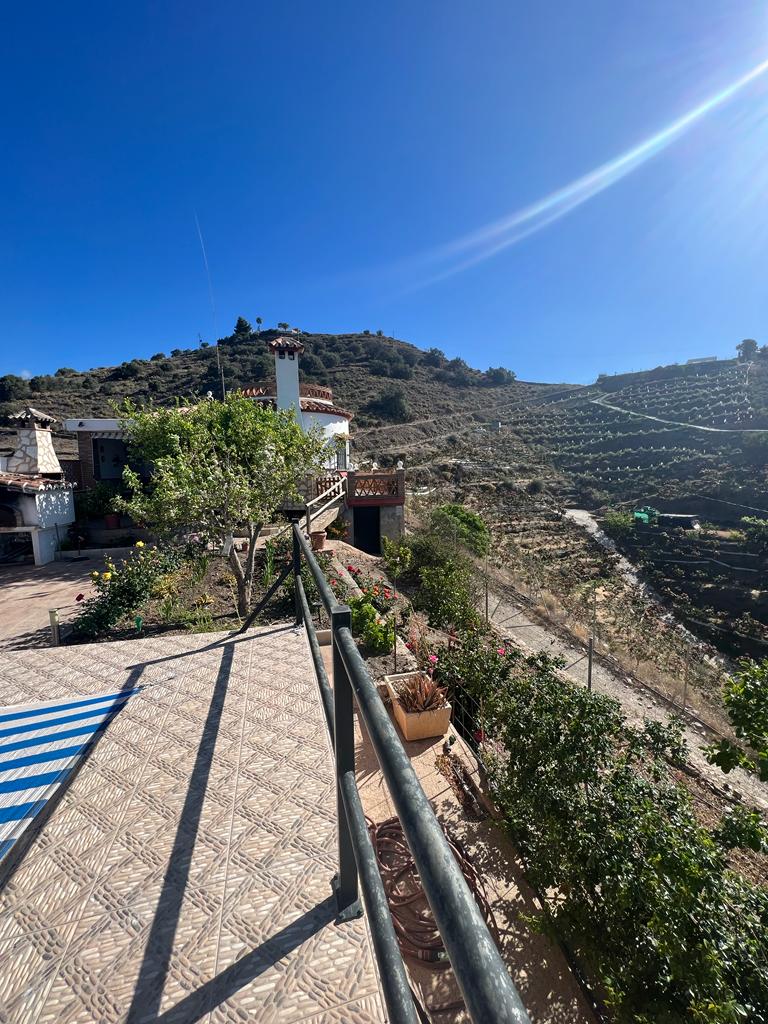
(216, 468)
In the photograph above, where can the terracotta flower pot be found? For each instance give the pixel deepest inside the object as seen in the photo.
(417, 725)
(317, 539)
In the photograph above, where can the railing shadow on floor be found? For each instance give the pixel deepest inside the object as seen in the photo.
(148, 992)
(245, 970)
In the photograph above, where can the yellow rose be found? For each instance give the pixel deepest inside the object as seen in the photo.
(139, 543)
(95, 574)
(106, 575)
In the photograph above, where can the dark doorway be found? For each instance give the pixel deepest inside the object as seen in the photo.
(367, 529)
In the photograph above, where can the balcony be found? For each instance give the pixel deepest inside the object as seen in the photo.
(181, 869)
(376, 488)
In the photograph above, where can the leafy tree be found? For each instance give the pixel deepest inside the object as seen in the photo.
(177, 351)
(65, 371)
(379, 368)
(157, 357)
(217, 468)
(312, 366)
(259, 322)
(747, 349)
(465, 526)
(13, 387)
(283, 326)
(243, 329)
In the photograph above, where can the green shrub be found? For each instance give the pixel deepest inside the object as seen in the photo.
(447, 595)
(378, 637)
(467, 527)
(122, 589)
(618, 524)
(643, 891)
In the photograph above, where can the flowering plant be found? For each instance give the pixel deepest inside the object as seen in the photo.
(122, 588)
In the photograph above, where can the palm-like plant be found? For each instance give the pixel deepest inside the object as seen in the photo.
(421, 693)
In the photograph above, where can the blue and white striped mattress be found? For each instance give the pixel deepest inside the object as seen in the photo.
(40, 745)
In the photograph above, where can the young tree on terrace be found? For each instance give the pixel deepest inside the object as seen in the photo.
(216, 468)
(747, 349)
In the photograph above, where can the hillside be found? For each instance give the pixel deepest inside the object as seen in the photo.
(663, 433)
(518, 452)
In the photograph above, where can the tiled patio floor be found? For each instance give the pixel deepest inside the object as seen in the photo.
(184, 874)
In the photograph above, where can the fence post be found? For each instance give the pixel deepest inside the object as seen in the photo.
(53, 618)
(345, 881)
(296, 572)
(589, 663)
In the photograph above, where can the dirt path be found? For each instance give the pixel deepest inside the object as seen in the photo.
(511, 619)
(676, 423)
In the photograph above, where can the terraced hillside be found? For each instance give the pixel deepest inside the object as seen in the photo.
(590, 450)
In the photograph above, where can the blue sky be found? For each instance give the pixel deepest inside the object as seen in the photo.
(330, 151)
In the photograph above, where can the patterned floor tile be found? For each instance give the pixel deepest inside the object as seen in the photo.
(185, 873)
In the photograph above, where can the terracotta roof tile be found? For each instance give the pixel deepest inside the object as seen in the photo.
(283, 344)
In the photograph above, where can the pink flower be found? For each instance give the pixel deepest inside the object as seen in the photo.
(433, 659)
(80, 597)
(409, 645)
(387, 594)
(501, 650)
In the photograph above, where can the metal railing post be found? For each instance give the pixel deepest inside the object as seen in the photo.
(345, 881)
(296, 577)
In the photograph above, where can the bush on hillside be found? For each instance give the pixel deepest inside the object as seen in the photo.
(463, 526)
(390, 405)
(13, 387)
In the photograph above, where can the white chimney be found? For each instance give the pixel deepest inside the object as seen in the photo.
(287, 352)
(34, 455)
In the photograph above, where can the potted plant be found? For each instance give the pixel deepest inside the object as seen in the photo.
(421, 707)
(317, 539)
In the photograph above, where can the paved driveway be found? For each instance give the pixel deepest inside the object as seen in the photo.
(28, 591)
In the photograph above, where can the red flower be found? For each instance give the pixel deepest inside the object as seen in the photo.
(80, 597)
(479, 735)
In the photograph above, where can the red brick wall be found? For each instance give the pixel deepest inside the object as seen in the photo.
(85, 449)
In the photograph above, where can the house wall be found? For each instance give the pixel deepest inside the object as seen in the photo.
(332, 427)
(52, 507)
(392, 522)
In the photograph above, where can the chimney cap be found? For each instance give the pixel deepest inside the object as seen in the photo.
(283, 344)
(30, 415)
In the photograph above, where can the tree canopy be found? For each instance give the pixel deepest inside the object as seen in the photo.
(216, 468)
(747, 349)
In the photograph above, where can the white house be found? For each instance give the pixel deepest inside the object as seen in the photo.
(312, 404)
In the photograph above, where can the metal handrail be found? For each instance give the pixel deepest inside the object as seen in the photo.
(489, 994)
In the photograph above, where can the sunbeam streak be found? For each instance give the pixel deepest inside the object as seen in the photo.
(480, 245)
